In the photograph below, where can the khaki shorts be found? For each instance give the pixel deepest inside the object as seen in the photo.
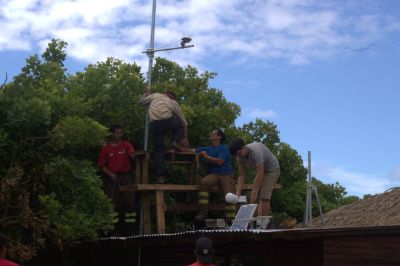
(270, 179)
(225, 182)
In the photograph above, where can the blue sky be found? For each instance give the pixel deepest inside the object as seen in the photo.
(326, 72)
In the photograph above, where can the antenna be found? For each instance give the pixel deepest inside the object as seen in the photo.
(307, 221)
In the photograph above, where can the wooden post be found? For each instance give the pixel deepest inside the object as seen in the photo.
(146, 196)
(160, 211)
(189, 173)
(138, 166)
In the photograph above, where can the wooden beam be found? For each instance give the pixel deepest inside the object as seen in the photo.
(181, 153)
(146, 207)
(188, 207)
(160, 211)
(145, 172)
(176, 188)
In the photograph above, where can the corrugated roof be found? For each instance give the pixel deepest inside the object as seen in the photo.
(193, 232)
(266, 234)
(378, 210)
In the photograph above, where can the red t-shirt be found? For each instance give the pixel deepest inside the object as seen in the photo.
(4, 262)
(117, 157)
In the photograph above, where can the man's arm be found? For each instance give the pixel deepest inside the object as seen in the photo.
(131, 150)
(213, 160)
(241, 178)
(146, 97)
(258, 179)
(103, 162)
(109, 173)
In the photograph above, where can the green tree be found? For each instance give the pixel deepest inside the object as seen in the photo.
(50, 192)
(110, 91)
(331, 196)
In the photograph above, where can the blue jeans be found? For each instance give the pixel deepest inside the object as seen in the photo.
(160, 128)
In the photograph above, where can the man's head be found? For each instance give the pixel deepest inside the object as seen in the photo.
(3, 246)
(237, 147)
(171, 95)
(116, 132)
(204, 250)
(217, 137)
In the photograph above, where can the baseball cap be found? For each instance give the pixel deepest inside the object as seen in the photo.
(204, 250)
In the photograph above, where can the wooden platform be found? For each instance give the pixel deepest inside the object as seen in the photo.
(188, 159)
(142, 159)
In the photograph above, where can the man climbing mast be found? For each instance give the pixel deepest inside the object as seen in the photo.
(165, 116)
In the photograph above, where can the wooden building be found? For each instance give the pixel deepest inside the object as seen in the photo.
(291, 247)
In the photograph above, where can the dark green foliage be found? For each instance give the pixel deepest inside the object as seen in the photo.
(50, 194)
(74, 204)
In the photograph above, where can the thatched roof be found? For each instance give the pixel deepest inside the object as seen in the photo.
(378, 210)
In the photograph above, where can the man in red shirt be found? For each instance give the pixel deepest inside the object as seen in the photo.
(3, 252)
(115, 162)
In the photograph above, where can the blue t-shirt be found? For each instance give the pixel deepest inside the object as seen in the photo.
(222, 152)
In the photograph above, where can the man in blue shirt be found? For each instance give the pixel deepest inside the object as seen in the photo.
(219, 173)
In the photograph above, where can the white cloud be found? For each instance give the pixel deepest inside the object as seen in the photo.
(297, 31)
(356, 183)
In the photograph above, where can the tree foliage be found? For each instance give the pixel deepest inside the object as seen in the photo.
(50, 192)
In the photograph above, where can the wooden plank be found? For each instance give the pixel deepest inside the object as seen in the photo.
(145, 177)
(188, 207)
(174, 187)
(160, 214)
(180, 162)
(141, 153)
(138, 173)
(169, 152)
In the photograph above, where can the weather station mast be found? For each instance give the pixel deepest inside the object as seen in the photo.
(184, 43)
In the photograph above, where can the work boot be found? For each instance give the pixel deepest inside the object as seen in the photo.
(130, 223)
(115, 218)
(178, 147)
(229, 213)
